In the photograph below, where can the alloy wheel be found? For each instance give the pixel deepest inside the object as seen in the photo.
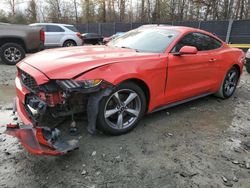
(122, 109)
(230, 82)
(12, 54)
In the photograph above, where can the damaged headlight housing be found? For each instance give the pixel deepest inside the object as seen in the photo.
(73, 84)
(91, 83)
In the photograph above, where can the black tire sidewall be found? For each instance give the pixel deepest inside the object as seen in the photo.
(224, 82)
(101, 123)
(8, 45)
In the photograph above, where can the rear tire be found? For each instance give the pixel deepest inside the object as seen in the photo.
(12, 53)
(120, 112)
(229, 84)
(69, 43)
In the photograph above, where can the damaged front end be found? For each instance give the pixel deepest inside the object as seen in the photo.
(43, 106)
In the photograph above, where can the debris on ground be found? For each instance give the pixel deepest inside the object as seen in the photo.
(235, 162)
(7, 153)
(246, 145)
(235, 179)
(228, 184)
(84, 172)
(224, 178)
(189, 175)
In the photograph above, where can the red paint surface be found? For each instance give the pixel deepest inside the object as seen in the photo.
(169, 78)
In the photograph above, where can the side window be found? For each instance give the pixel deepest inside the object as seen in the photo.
(215, 43)
(92, 35)
(187, 40)
(201, 41)
(53, 28)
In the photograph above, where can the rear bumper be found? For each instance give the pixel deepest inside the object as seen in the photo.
(79, 42)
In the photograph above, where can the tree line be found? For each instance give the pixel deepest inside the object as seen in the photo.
(144, 11)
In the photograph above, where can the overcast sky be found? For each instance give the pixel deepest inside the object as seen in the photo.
(5, 6)
(22, 4)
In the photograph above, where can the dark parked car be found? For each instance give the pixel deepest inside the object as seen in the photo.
(16, 40)
(92, 38)
(107, 39)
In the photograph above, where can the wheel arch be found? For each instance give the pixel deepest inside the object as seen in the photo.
(16, 40)
(69, 40)
(143, 86)
(238, 68)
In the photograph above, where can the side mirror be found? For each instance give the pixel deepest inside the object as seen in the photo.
(187, 50)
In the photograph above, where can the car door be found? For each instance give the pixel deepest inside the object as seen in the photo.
(53, 35)
(192, 75)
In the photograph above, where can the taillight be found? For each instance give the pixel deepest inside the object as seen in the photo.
(42, 35)
(79, 35)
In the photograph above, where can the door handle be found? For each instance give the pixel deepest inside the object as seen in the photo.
(212, 60)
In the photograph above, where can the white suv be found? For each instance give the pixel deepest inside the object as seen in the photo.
(60, 35)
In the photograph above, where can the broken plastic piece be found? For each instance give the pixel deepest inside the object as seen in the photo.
(93, 108)
(41, 141)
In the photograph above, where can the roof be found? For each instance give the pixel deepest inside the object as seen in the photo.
(59, 24)
(182, 29)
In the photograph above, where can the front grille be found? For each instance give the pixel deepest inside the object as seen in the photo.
(28, 81)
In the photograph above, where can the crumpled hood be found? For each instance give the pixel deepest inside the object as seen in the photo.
(66, 63)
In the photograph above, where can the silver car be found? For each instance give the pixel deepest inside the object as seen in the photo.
(60, 35)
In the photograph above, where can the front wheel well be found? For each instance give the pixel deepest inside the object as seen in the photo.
(237, 67)
(143, 86)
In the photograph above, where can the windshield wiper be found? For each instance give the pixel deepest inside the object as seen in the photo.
(130, 48)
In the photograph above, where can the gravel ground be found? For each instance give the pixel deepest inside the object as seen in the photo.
(204, 143)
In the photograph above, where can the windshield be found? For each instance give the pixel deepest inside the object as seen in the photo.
(72, 28)
(154, 40)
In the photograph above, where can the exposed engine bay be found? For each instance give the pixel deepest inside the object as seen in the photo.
(48, 105)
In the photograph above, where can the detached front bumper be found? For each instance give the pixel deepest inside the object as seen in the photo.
(35, 108)
(37, 140)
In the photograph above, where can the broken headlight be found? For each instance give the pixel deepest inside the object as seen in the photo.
(73, 84)
(90, 83)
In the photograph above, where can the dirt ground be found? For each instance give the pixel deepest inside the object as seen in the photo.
(204, 143)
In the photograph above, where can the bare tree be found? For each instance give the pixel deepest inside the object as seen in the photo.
(76, 12)
(12, 4)
(32, 11)
(54, 10)
(142, 11)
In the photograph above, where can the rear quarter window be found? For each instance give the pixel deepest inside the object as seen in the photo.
(54, 28)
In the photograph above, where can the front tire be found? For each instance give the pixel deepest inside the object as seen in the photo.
(120, 112)
(229, 84)
(12, 53)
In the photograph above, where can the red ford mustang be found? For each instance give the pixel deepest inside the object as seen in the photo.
(145, 70)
